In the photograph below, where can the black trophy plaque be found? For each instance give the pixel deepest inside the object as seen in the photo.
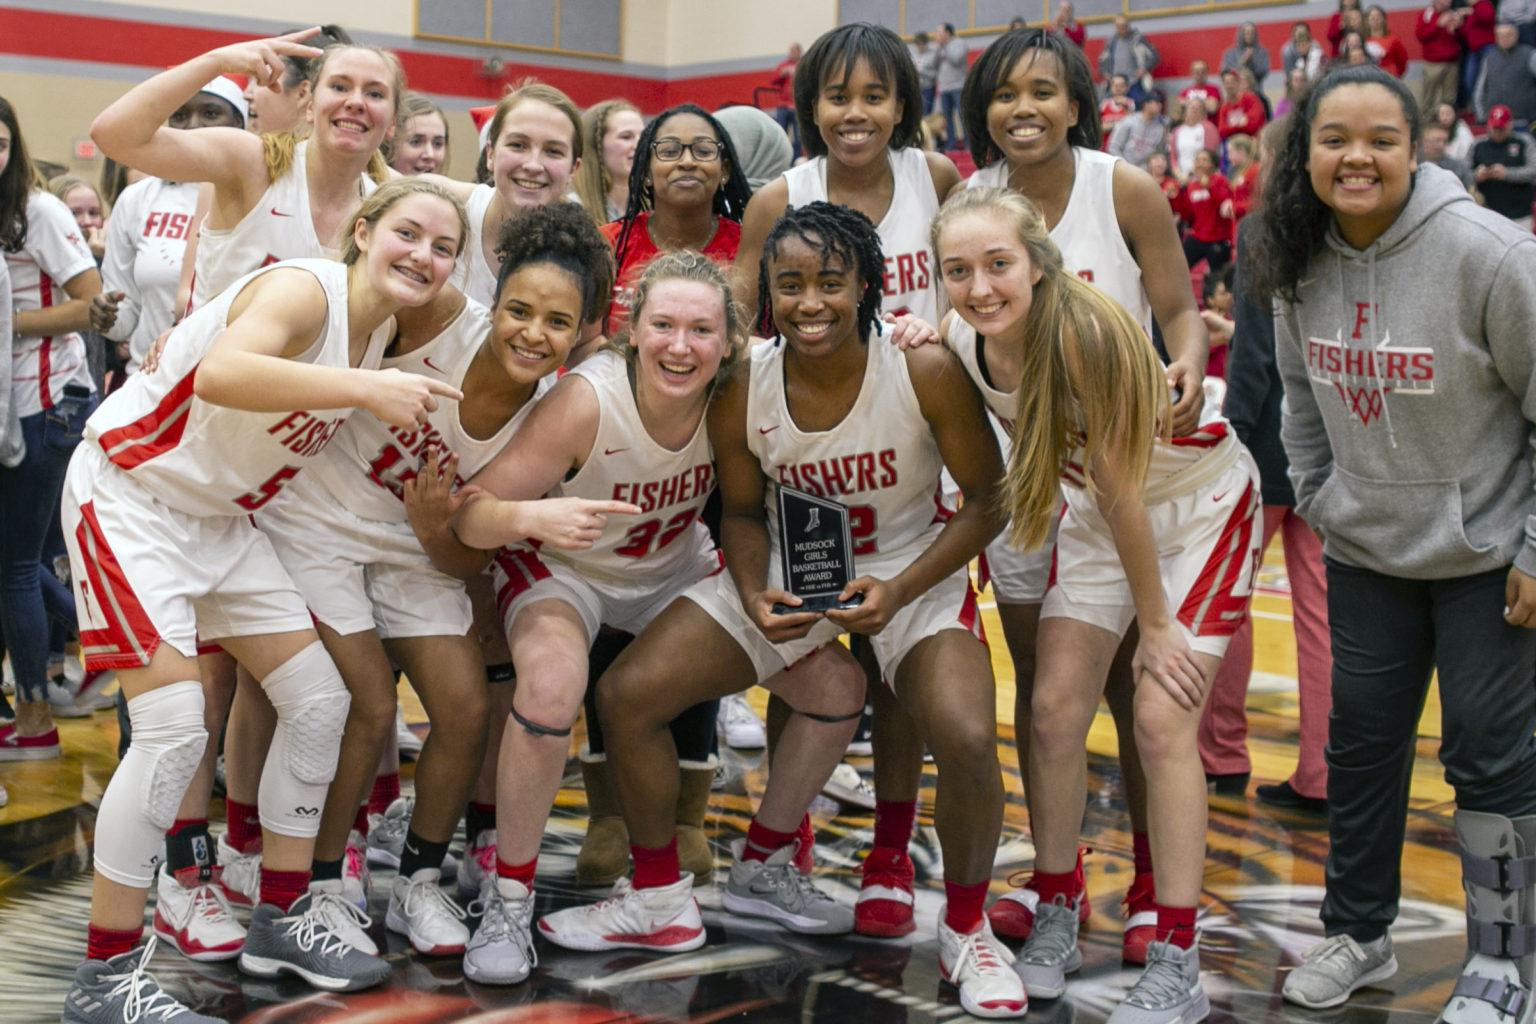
(815, 551)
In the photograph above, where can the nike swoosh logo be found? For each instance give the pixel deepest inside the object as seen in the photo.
(1223, 494)
(614, 451)
(429, 362)
(768, 430)
(279, 213)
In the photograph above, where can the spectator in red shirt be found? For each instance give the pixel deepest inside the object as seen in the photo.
(1241, 112)
(1382, 43)
(1437, 34)
(1066, 23)
(1476, 35)
(1205, 204)
(1157, 166)
(1242, 174)
(1336, 24)
(1200, 89)
(1117, 104)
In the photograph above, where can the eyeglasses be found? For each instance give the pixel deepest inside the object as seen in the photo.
(671, 150)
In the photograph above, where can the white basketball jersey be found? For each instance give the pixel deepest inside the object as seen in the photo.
(210, 460)
(961, 340)
(367, 466)
(279, 227)
(909, 278)
(881, 460)
(472, 275)
(626, 464)
(1088, 234)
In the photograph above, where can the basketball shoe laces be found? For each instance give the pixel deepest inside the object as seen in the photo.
(977, 956)
(141, 993)
(499, 924)
(208, 902)
(314, 926)
(1162, 983)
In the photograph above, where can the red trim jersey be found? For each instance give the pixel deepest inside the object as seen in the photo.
(881, 460)
(281, 226)
(54, 254)
(911, 284)
(626, 464)
(146, 245)
(365, 469)
(472, 275)
(209, 460)
(640, 250)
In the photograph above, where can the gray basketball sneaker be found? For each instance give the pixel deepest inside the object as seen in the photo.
(775, 890)
(303, 942)
(1051, 952)
(1168, 991)
(121, 990)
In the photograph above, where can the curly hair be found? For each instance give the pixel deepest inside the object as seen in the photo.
(834, 231)
(835, 53)
(730, 197)
(1293, 219)
(994, 66)
(687, 265)
(562, 235)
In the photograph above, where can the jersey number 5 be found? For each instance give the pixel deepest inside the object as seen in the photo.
(267, 491)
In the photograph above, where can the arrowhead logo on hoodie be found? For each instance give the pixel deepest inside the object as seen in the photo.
(1363, 376)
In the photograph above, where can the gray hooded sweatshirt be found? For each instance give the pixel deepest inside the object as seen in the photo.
(1410, 391)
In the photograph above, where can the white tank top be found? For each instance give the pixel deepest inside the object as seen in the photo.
(1004, 405)
(279, 227)
(1088, 233)
(909, 280)
(366, 467)
(210, 460)
(626, 464)
(472, 275)
(881, 460)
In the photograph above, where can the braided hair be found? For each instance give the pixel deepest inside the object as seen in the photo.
(562, 235)
(834, 231)
(730, 197)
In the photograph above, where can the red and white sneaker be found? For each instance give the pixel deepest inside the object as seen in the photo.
(195, 916)
(14, 747)
(982, 969)
(356, 882)
(477, 871)
(665, 918)
(239, 874)
(1140, 920)
(805, 855)
(884, 906)
(1012, 914)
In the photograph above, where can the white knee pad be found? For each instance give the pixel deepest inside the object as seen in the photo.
(141, 800)
(311, 703)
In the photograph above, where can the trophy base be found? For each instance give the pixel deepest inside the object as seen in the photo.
(820, 603)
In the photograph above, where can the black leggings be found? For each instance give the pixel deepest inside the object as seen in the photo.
(1216, 254)
(693, 731)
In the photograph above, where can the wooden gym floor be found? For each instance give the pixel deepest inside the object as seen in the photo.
(1263, 878)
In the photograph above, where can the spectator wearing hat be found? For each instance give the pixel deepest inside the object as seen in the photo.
(1138, 136)
(1504, 165)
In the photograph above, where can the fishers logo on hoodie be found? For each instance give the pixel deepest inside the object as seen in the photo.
(1364, 376)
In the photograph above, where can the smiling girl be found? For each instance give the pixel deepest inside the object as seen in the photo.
(163, 552)
(1153, 530)
(1403, 337)
(611, 133)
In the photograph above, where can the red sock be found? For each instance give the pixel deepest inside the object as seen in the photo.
(244, 826)
(1176, 925)
(1066, 885)
(386, 790)
(185, 823)
(963, 910)
(360, 821)
(655, 868)
(893, 823)
(764, 842)
(281, 888)
(104, 943)
(1141, 853)
(517, 872)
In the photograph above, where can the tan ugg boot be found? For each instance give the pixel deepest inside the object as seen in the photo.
(604, 855)
(693, 850)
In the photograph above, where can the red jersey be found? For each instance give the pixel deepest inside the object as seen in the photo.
(1242, 116)
(640, 250)
(1200, 205)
